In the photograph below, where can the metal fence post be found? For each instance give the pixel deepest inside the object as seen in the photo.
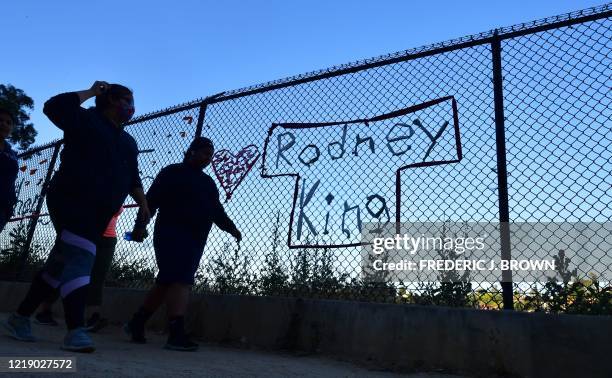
(201, 118)
(502, 172)
(34, 220)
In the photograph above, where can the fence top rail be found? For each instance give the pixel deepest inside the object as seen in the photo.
(32, 150)
(536, 26)
(567, 19)
(576, 17)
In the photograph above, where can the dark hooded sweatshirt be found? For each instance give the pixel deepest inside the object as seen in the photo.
(188, 200)
(99, 167)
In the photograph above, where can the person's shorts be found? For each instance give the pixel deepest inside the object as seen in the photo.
(177, 254)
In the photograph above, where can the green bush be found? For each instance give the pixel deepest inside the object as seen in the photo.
(568, 293)
(11, 258)
(136, 273)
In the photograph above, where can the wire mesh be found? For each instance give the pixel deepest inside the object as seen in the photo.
(304, 163)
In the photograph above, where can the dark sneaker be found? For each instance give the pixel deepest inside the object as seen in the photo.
(45, 318)
(77, 340)
(19, 327)
(96, 323)
(181, 343)
(136, 331)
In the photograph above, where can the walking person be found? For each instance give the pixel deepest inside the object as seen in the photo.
(8, 168)
(98, 169)
(105, 250)
(188, 203)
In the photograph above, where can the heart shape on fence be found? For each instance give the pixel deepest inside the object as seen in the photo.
(231, 169)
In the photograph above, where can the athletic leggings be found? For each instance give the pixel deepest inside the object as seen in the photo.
(69, 264)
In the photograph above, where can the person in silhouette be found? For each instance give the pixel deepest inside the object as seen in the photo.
(98, 169)
(188, 203)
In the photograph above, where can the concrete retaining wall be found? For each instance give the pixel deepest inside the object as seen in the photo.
(394, 337)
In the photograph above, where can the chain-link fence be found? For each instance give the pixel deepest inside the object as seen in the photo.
(511, 125)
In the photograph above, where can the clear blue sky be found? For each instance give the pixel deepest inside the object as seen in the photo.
(170, 52)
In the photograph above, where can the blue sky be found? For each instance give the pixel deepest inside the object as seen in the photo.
(172, 52)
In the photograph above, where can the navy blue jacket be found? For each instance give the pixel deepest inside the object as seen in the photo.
(99, 162)
(187, 198)
(8, 175)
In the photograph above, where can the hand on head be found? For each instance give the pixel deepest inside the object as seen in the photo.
(99, 87)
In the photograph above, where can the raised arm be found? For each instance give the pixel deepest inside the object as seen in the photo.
(65, 110)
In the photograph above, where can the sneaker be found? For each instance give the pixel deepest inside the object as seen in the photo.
(96, 323)
(19, 327)
(136, 331)
(45, 318)
(181, 343)
(77, 340)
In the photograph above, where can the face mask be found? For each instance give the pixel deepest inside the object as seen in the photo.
(125, 110)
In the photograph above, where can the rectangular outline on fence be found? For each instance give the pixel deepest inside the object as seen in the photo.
(398, 192)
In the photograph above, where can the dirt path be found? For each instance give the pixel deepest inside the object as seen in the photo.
(116, 357)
